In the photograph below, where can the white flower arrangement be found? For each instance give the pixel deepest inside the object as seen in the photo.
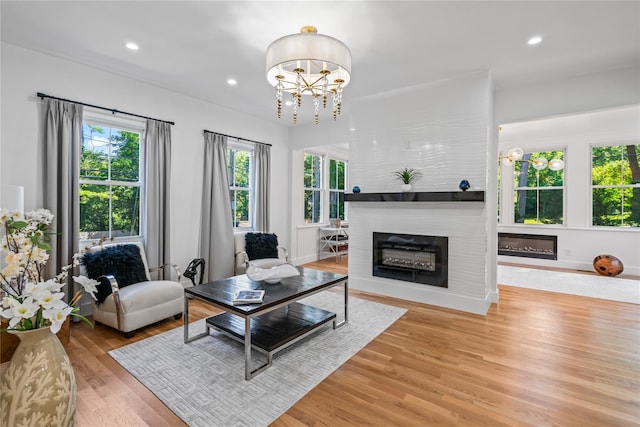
(28, 300)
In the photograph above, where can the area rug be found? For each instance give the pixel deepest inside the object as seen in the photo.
(203, 382)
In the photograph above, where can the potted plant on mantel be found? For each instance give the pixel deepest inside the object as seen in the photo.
(407, 176)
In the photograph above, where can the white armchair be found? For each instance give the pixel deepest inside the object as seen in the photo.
(131, 307)
(242, 258)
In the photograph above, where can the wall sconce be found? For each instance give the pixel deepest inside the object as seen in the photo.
(515, 155)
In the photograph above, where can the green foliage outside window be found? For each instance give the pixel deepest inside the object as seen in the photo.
(337, 185)
(109, 182)
(615, 179)
(239, 173)
(312, 188)
(538, 194)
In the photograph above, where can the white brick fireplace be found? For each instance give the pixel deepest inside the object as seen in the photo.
(445, 131)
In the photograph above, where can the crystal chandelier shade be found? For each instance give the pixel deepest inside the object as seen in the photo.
(515, 155)
(312, 64)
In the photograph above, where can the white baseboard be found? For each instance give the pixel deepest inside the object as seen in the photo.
(633, 270)
(588, 285)
(425, 294)
(303, 260)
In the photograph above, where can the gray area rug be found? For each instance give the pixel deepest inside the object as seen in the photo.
(203, 381)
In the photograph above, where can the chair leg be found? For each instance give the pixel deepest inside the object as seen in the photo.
(177, 316)
(129, 334)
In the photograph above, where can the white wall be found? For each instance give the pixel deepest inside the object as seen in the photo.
(590, 92)
(25, 72)
(578, 242)
(562, 97)
(305, 237)
(444, 130)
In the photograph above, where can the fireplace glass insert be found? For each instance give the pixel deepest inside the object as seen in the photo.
(528, 245)
(411, 258)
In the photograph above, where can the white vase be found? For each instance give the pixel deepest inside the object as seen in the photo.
(406, 187)
(38, 386)
(271, 275)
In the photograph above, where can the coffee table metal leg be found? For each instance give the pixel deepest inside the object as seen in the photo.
(247, 348)
(185, 319)
(186, 324)
(346, 307)
(248, 373)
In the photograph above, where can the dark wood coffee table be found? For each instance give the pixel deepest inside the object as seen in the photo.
(276, 323)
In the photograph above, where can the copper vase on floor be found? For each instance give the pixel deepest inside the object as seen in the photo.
(39, 385)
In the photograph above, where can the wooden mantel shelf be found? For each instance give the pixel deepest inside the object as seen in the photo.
(423, 196)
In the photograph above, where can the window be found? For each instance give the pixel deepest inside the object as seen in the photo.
(337, 185)
(615, 186)
(111, 181)
(312, 188)
(239, 166)
(539, 194)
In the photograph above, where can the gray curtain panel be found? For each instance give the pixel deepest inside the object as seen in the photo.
(216, 227)
(158, 186)
(262, 157)
(61, 142)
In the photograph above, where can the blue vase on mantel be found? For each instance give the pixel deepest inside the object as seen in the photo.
(356, 189)
(464, 185)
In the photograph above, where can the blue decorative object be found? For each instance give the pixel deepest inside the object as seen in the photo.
(464, 185)
(356, 189)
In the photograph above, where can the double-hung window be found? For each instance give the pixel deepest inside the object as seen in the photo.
(615, 186)
(337, 185)
(538, 190)
(239, 168)
(111, 178)
(313, 178)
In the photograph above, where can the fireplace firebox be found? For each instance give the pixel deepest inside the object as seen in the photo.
(528, 245)
(411, 258)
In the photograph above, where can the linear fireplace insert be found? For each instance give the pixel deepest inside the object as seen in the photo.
(412, 258)
(528, 245)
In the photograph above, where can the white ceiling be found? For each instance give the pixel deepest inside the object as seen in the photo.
(194, 47)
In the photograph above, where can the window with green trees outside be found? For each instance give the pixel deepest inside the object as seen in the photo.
(539, 194)
(239, 173)
(110, 182)
(312, 188)
(615, 186)
(337, 185)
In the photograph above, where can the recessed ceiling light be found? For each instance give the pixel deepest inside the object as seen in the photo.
(232, 82)
(132, 46)
(534, 40)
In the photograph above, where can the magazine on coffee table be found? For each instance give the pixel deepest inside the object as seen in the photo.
(248, 297)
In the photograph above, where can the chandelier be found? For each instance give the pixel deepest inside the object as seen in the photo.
(515, 155)
(312, 64)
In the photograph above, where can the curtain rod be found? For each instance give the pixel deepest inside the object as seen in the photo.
(113, 110)
(238, 138)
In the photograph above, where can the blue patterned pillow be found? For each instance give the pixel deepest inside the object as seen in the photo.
(122, 261)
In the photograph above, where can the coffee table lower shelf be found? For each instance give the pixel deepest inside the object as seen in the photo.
(275, 330)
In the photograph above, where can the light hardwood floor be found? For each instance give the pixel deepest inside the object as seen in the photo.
(536, 359)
